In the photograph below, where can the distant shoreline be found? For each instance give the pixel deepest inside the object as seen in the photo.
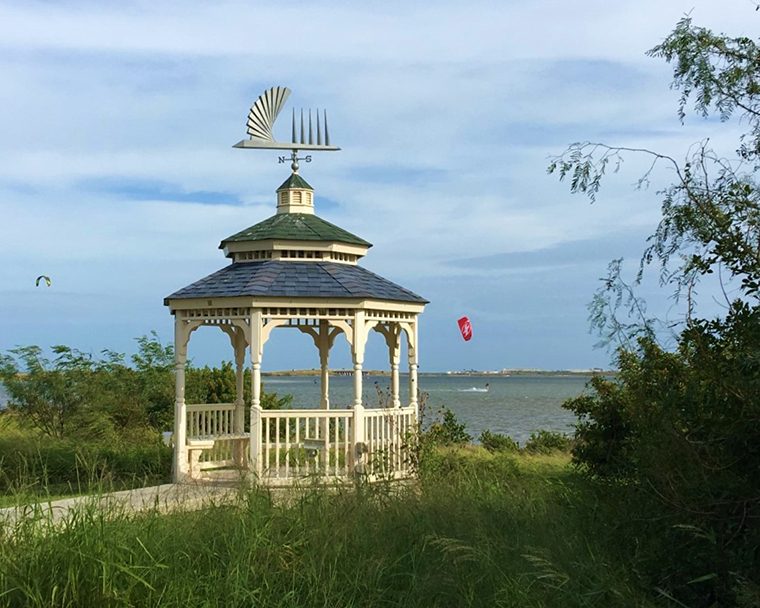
(476, 374)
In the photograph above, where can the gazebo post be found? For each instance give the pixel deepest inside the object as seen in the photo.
(357, 350)
(413, 364)
(239, 415)
(256, 348)
(324, 355)
(394, 348)
(180, 463)
(358, 355)
(323, 342)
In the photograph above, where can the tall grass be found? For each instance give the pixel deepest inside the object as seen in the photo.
(479, 529)
(33, 467)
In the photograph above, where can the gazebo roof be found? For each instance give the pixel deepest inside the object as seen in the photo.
(295, 181)
(296, 227)
(296, 280)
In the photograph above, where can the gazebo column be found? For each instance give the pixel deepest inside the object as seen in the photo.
(394, 351)
(324, 356)
(357, 351)
(256, 355)
(239, 414)
(180, 464)
(413, 365)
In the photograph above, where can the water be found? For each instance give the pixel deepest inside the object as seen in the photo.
(515, 405)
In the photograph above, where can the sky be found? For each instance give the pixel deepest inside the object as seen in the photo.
(118, 179)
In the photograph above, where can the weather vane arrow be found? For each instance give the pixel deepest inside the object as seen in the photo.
(264, 113)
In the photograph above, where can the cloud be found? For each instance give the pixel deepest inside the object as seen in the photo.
(117, 174)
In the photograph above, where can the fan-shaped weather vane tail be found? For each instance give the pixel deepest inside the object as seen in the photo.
(265, 111)
(261, 121)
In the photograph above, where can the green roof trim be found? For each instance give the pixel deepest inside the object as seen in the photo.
(296, 227)
(295, 181)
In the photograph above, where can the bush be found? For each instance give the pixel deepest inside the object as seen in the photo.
(496, 442)
(448, 431)
(545, 442)
(681, 431)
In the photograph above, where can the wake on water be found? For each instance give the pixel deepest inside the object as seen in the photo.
(473, 390)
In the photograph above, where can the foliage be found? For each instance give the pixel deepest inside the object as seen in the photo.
(79, 396)
(73, 395)
(711, 214)
(154, 364)
(678, 432)
(546, 442)
(496, 442)
(447, 431)
(485, 530)
(30, 467)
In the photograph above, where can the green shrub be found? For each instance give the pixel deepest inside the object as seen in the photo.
(496, 442)
(447, 431)
(545, 442)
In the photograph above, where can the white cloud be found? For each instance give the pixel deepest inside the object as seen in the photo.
(446, 114)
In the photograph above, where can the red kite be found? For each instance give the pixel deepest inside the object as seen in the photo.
(466, 328)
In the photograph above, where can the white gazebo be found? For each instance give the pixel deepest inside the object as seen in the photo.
(295, 270)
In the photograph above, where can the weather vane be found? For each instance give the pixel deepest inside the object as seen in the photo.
(261, 119)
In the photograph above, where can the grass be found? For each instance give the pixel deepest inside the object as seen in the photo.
(479, 529)
(33, 467)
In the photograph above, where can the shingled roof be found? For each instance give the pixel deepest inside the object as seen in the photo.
(295, 181)
(296, 280)
(296, 227)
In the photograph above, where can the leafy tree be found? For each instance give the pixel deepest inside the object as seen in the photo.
(679, 430)
(74, 395)
(154, 364)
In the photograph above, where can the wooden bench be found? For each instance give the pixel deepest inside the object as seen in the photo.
(194, 449)
(197, 445)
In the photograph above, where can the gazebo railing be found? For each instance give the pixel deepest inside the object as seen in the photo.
(296, 444)
(210, 420)
(215, 421)
(293, 445)
(388, 435)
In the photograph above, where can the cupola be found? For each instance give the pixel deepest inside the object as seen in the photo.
(295, 196)
(295, 233)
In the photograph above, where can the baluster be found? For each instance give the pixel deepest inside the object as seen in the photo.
(298, 447)
(287, 447)
(401, 442)
(349, 432)
(383, 421)
(277, 445)
(267, 442)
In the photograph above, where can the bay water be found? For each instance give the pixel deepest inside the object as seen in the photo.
(513, 405)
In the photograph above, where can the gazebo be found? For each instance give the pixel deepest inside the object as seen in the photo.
(295, 270)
